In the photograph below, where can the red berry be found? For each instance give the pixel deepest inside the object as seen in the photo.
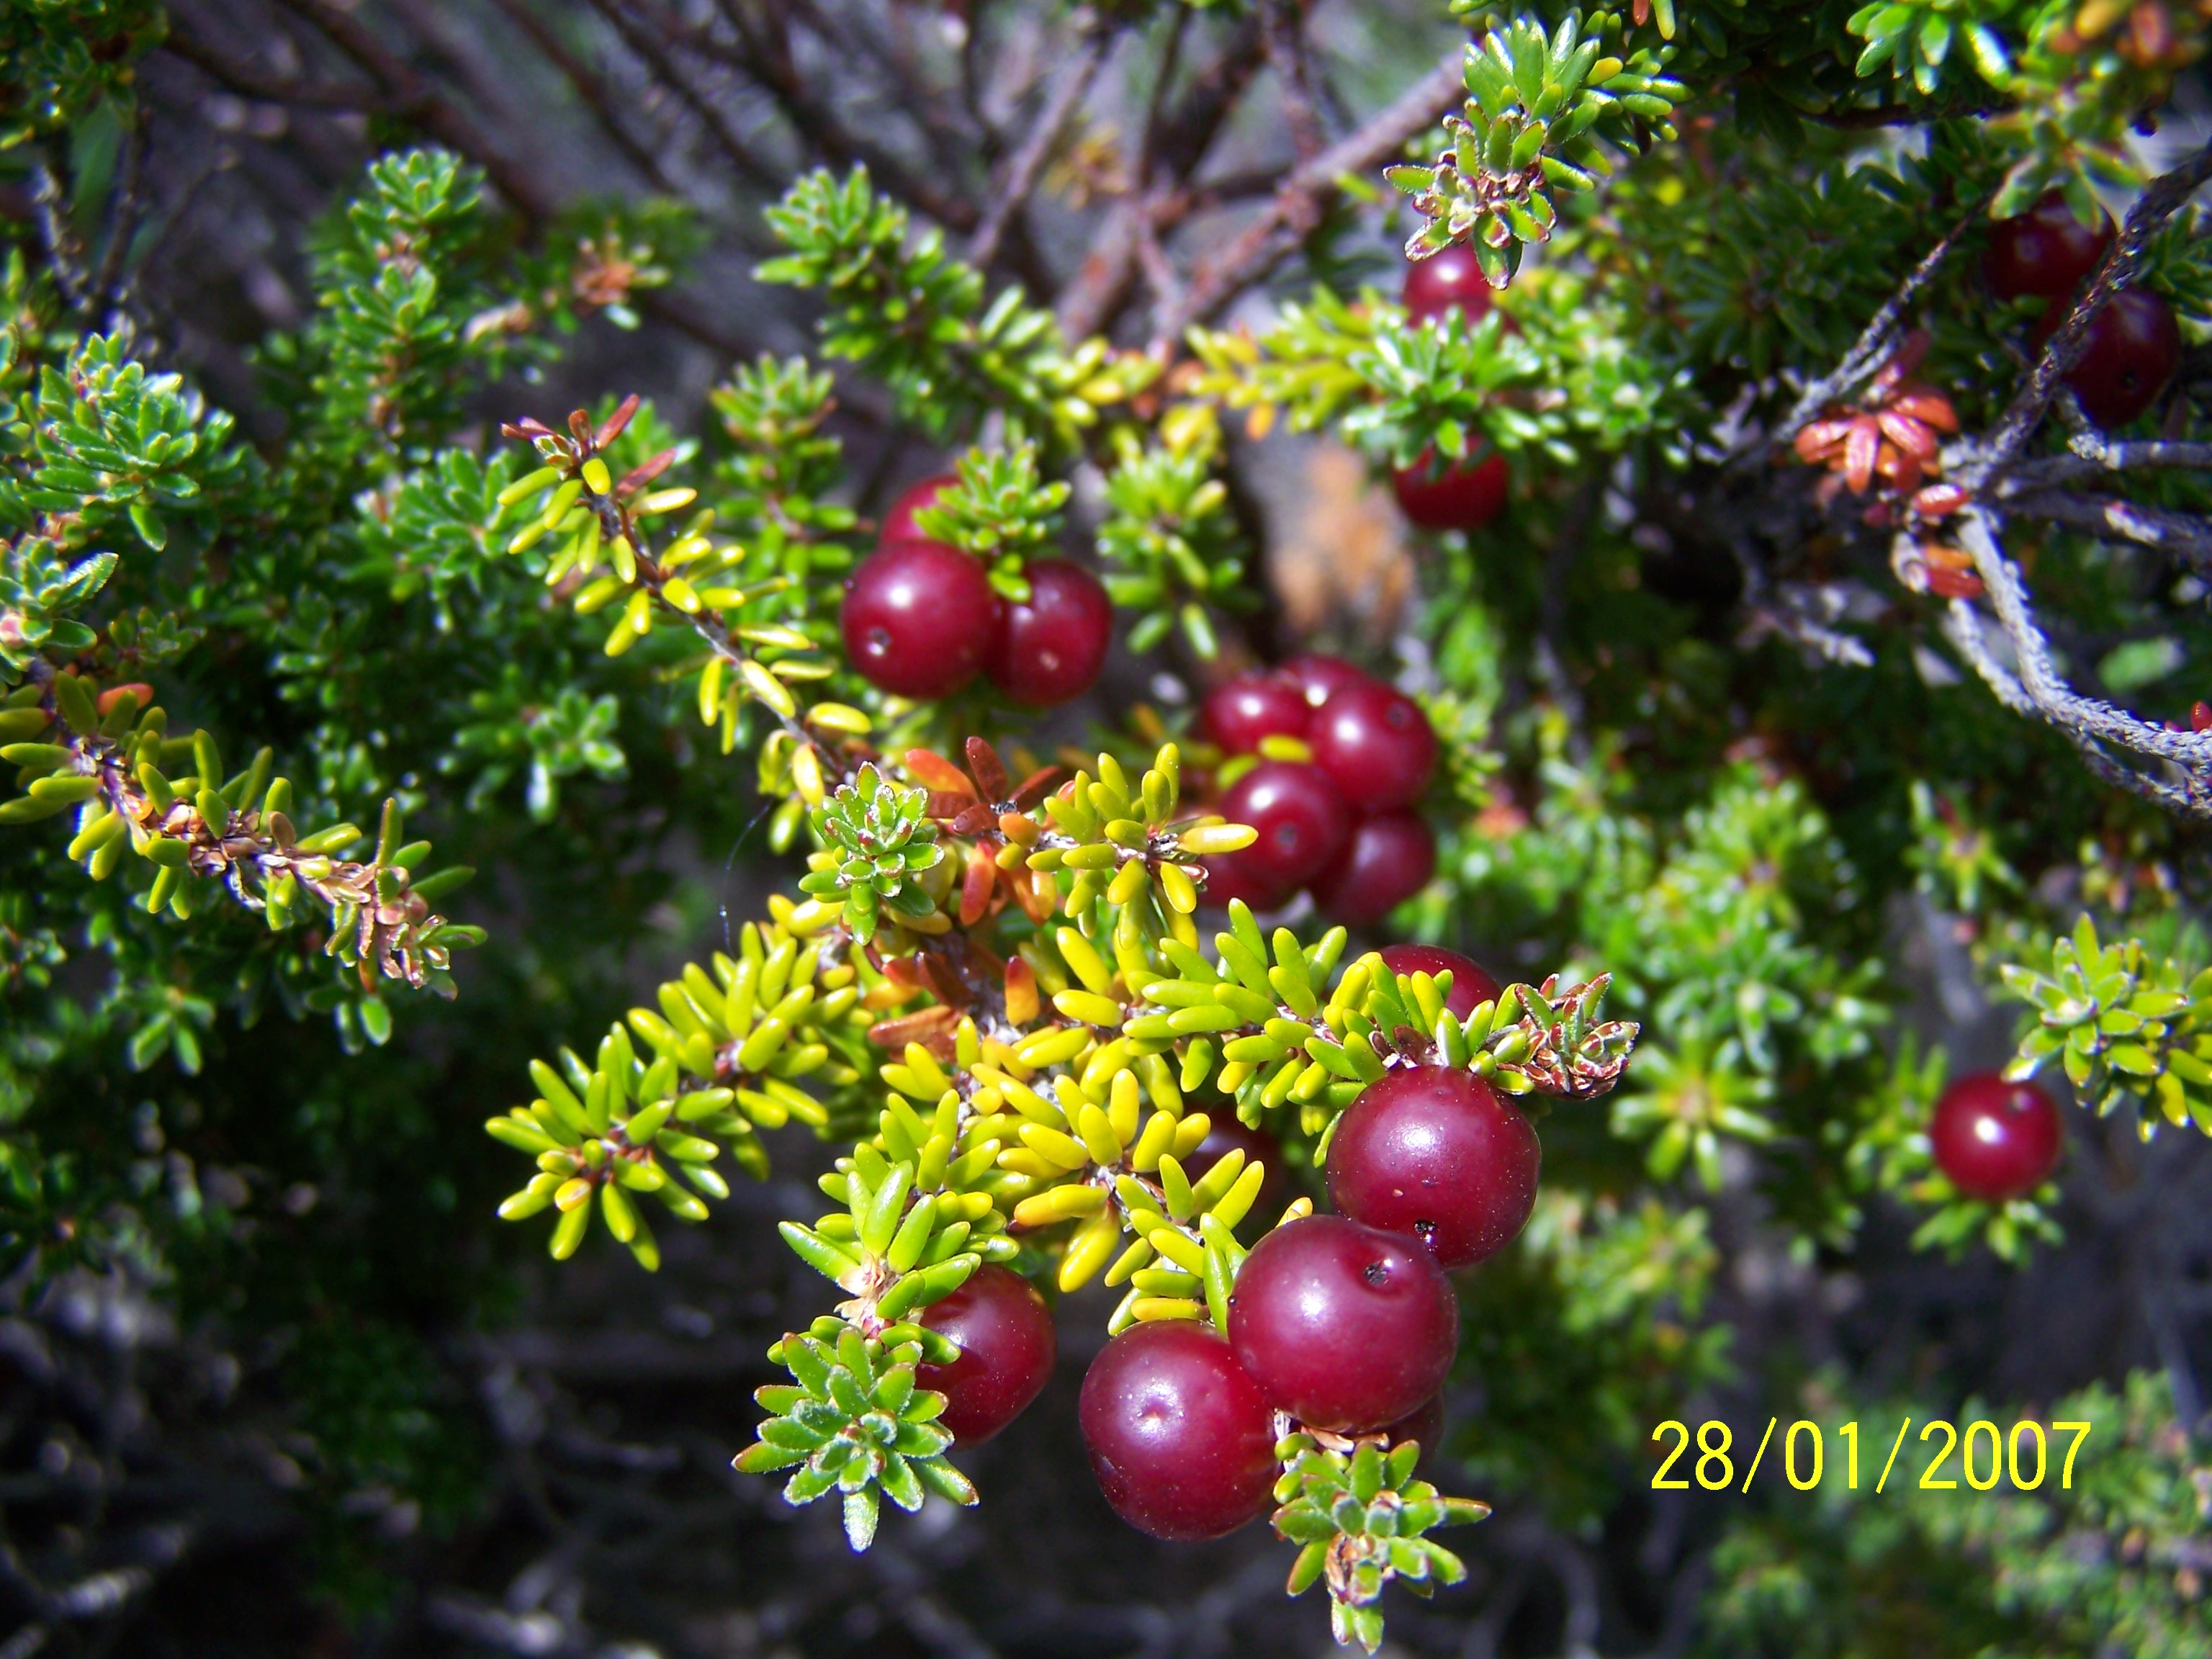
(1053, 644)
(1230, 875)
(1300, 815)
(1432, 1151)
(1996, 1139)
(1236, 714)
(1342, 1325)
(1317, 675)
(1452, 277)
(1376, 744)
(1007, 1346)
(1182, 1442)
(2044, 253)
(1471, 985)
(1424, 1424)
(1387, 861)
(2133, 348)
(1227, 1134)
(898, 524)
(1463, 497)
(918, 619)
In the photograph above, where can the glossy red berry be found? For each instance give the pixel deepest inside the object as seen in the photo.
(898, 524)
(1300, 815)
(1317, 675)
(1388, 860)
(1453, 277)
(1181, 1440)
(2044, 252)
(1463, 497)
(1996, 1139)
(1007, 1346)
(2133, 348)
(1433, 1152)
(1230, 875)
(1342, 1325)
(1228, 1134)
(1236, 714)
(1376, 744)
(1471, 985)
(1425, 1424)
(919, 619)
(1052, 645)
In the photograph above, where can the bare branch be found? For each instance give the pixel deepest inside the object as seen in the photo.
(2094, 455)
(2181, 533)
(1068, 91)
(2092, 725)
(1297, 204)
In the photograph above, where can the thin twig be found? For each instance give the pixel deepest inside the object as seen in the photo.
(589, 87)
(1875, 343)
(1283, 23)
(649, 48)
(2182, 533)
(1068, 91)
(1255, 250)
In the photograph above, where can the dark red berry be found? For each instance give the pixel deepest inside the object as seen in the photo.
(1376, 744)
(1471, 985)
(898, 524)
(1388, 860)
(1317, 675)
(1053, 644)
(1425, 1424)
(1996, 1139)
(1181, 1440)
(1453, 277)
(1300, 815)
(1342, 1325)
(1236, 714)
(1432, 1151)
(2133, 348)
(1227, 1134)
(919, 619)
(1230, 875)
(1007, 1346)
(1463, 497)
(2044, 253)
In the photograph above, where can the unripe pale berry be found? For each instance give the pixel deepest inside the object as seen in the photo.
(1301, 817)
(1388, 860)
(1181, 1440)
(1432, 1151)
(1343, 1326)
(1472, 985)
(1051, 645)
(919, 619)
(1007, 1346)
(1994, 1139)
(1376, 744)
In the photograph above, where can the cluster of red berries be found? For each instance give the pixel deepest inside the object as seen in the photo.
(920, 618)
(1468, 496)
(1339, 823)
(2134, 344)
(1996, 1139)
(1345, 1324)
